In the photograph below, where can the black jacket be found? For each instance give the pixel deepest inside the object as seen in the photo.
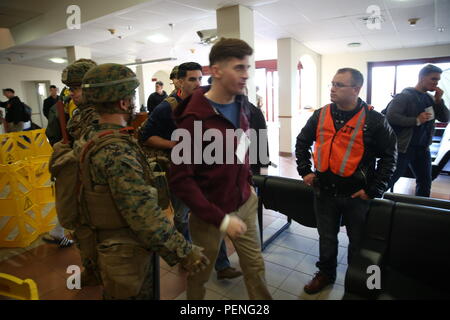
(48, 103)
(15, 111)
(372, 175)
(257, 122)
(154, 100)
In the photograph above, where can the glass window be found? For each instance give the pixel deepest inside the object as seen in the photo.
(389, 78)
(383, 80)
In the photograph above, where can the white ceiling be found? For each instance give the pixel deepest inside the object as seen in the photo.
(325, 26)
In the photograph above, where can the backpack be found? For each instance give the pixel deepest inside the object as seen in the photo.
(160, 156)
(397, 129)
(64, 169)
(27, 111)
(384, 111)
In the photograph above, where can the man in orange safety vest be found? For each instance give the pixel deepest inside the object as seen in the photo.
(349, 137)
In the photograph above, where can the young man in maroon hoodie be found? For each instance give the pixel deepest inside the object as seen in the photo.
(219, 194)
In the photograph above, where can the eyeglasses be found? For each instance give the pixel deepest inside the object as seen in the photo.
(339, 85)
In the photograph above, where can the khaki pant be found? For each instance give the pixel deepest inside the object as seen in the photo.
(248, 248)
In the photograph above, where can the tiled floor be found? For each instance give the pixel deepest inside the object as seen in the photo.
(290, 263)
(290, 259)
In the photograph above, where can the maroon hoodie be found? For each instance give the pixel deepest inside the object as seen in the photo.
(210, 190)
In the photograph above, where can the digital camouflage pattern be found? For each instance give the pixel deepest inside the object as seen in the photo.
(85, 114)
(86, 60)
(73, 74)
(123, 169)
(118, 166)
(82, 118)
(108, 82)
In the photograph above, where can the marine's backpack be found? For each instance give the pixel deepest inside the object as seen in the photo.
(65, 166)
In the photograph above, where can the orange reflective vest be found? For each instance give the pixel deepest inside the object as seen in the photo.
(339, 151)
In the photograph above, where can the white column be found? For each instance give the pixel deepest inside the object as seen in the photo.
(141, 91)
(76, 52)
(237, 22)
(288, 94)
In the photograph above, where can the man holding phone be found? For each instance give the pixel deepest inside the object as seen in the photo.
(412, 114)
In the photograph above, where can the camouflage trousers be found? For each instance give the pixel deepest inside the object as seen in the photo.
(147, 291)
(85, 241)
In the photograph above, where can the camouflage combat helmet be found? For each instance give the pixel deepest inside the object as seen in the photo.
(86, 60)
(108, 82)
(72, 75)
(174, 73)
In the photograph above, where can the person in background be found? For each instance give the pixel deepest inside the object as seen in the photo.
(156, 97)
(412, 114)
(51, 100)
(16, 116)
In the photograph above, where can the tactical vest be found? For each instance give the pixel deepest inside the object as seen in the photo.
(339, 151)
(122, 258)
(102, 211)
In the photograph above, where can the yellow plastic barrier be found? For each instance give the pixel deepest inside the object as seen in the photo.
(26, 193)
(22, 145)
(15, 288)
(26, 202)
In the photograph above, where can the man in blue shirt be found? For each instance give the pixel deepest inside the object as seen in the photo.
(157, 133)
(412, 114)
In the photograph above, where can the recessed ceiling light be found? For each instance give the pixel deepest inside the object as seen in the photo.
(441, 29)
(158, 38)
(354, 44)
(58, 60)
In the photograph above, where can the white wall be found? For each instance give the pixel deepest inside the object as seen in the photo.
(149, 72)
(332, 62)
(13, 76)
(310, 88)
(16, 77)
(164, 77)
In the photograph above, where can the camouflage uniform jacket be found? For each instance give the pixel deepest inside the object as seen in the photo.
(82, 118)
(117, 165)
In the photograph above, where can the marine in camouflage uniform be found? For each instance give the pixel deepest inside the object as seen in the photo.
(85, 114)
(81, 121)
(72, 77)
(118, 170)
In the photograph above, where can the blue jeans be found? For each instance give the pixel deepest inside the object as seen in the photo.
(181, 221)
(418, 159)
(329, 212)
(222, 261)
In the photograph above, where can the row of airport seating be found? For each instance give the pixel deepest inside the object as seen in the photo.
(406, 237)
